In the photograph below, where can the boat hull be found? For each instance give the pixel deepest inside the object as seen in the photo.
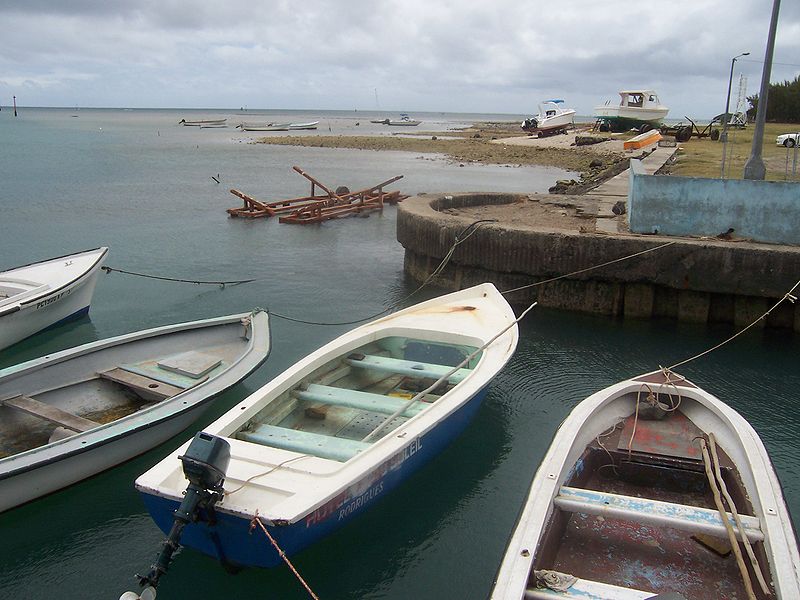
(60, 463)
(49, 309)
(232, 540)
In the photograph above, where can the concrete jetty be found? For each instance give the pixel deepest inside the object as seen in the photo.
(691, 279)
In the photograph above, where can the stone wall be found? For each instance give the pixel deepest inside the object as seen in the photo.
(692, 280)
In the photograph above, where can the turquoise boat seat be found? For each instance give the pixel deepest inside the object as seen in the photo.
(361, 400)
(324, 446)
(406, 367)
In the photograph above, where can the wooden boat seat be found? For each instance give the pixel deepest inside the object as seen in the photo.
(405, 367)
(146, 387)
(355, 399)
(324, 446)
(584, 589)
(50, 413)
(653, 512)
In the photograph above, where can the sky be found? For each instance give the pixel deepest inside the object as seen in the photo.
(473, 56)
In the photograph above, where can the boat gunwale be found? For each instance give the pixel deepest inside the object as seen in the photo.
(172, 407)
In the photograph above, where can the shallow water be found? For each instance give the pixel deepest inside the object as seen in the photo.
(139, 183)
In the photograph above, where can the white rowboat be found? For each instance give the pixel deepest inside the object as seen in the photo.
(69, 415)
(39, 295)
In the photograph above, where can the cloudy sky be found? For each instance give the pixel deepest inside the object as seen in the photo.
(486, 56)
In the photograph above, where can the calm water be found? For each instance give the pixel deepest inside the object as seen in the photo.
(137, 182)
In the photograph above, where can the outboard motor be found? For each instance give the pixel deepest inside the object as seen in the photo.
(204, 465)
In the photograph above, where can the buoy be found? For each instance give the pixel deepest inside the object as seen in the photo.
(148, 593)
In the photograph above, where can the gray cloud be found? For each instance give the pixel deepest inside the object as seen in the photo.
(469, 55)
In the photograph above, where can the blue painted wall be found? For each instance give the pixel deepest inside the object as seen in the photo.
(764, 211)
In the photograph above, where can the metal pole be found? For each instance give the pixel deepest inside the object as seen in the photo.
(15, 106)
(725, 117)
(754, 168)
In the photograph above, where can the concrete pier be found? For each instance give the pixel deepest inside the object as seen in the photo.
(693, 279)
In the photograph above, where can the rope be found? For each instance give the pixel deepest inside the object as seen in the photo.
(281, 553)
(787, 296)
(724, 489)
(748, 586)
(587, 269)
(198, 282)
(257, 475)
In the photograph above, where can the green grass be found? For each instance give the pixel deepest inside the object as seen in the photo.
(703, 157)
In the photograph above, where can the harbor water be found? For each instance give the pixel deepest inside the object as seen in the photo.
(136, 181)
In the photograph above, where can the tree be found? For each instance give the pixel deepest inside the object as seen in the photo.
(783, 104)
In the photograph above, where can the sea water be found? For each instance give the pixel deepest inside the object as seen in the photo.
(148, 188)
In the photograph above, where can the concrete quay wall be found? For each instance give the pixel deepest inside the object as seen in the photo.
(700, 280)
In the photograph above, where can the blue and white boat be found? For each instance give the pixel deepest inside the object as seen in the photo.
(39, 295)
(335, 433)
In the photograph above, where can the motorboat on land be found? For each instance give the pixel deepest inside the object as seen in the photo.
(640, 109)
(203, 123)
(337, 431)
(628, 504)
(69, 415)
(39, 295)
(403, 121)
(264, 127)
(552, 118)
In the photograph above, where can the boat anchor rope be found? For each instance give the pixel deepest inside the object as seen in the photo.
(110, 270)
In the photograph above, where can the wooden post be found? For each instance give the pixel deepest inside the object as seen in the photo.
(15, 106)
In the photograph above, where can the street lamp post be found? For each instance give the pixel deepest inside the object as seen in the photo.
(725, 117)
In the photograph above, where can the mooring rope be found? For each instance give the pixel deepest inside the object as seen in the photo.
(282, 554)
(109, 270)
(787, 296)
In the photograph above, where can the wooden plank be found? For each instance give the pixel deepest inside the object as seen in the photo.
(583, 589)
(144, 386)
(653, 512)
(359, 400)
(50, 413)
(315, 444)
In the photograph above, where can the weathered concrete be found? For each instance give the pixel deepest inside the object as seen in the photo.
(693, 279)
(763, 211)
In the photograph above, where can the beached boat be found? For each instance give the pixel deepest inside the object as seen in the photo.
(203, 122)
(264, 127)
(337, 431)
(403, 121)
(380, 121)
(72, 414)
(552, 118)
(39, 295)
(309, 125)
(624, 504)
(639, 109)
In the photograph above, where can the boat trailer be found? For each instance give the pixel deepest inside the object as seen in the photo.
(315, 207)
(683, 133)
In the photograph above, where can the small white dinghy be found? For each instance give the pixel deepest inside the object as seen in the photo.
(72, 414)
(627, 504)
(336, 432)
(39, 295)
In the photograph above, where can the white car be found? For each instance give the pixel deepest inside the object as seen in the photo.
(788, 139)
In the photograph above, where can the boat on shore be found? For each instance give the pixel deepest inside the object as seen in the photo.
(637, 109)
(264, 126)
(72, 414)
(300, 126)
(337, 431)
(627, 504)
(39, 295)
(403, 121)
(552, 118)
(203, 123)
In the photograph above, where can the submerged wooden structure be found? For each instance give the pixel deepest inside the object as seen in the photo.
(317, 207)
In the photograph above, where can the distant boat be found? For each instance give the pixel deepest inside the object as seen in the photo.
(69, 415)
(624, 503)
(203, 123)
(342, 427)
(639, 109)
(380, 121)
(403, 121)
(40, 295)
(310, 125)
(552, 118)
(264, 127)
